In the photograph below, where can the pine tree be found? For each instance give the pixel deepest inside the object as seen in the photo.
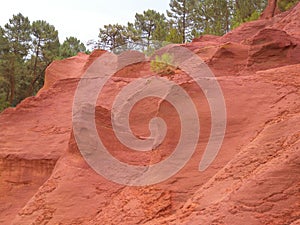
(243, 10)
(174, 36)
(4, 84)
(70, 47)
(45, 50)
(152, 26)
(17, 32)
(211, 17)
(132, 34)
(181, 13)
(112, 36)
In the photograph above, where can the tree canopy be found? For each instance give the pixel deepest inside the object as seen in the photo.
(26, 49)
(70, 47)
(183, 21)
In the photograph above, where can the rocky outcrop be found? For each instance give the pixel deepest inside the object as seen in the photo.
(271, 10)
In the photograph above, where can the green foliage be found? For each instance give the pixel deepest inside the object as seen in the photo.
(112, 36)
(186, 19)
(70, 47)
(4, 84)
(3, 103)
(212, 17)
(27, 49)
(17, 34)
(46, 49)
(181, 14)
(174, 36)
(163, 64)
(245, 11)
(18, 31)
(285, 5)
(161, 31)
(132, 34)
(255, 16)
(151, 25)
(25, 52)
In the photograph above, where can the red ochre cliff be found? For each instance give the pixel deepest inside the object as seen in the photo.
(254, 179)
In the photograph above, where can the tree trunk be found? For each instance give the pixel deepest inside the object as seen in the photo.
(184, 21)
(271, 10)
(12, 83)
(38, 76)
(148, 37)
(35, 77)
(12, 89)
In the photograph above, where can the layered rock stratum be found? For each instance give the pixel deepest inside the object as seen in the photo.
(253, 180)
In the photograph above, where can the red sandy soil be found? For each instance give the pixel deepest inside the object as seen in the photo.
(254, 179)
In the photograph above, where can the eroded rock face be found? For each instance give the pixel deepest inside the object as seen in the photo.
(275, 45)
(254, 179)
(271, 9)
(34, 135)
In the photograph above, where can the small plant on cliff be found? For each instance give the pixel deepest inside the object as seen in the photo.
(285, 5)
(254, 16)
(3, 104)
(163, 64)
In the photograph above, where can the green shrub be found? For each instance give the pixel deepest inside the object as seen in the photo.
(163, 64)
(3, 105)
(254, 16)
(285, 5)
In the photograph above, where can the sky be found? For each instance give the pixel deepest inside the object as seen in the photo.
(79, 18)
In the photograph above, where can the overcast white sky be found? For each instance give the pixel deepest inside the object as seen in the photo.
(79, 18)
